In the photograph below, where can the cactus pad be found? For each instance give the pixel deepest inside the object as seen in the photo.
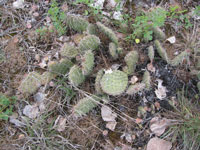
(113, 50)
(147, 80)
(114, 83)
(30, 83)
(151, 53)
(85, 105)
(97, 82)
(90, 42)
(76, 23)
(87, 63)
(158, 33)
(179, 59)
(131, 59)
(60, 68)
(92, 29)
(161, 51)
(108, 32)
(68, 51)
(75, 76)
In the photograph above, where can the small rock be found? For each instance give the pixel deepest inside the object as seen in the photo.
(31, 111)
(18, 4)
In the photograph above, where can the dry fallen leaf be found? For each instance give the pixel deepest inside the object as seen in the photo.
(107, 114)
(172, 39)
(111, 125)
(134, 79)
(158, 125)
(60, 123)
(31, 111)
(158, 144)
(18, 4)
(151, 68)
(138, 120)
(161, 91)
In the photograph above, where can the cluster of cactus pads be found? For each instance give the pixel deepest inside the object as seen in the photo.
(113, 82)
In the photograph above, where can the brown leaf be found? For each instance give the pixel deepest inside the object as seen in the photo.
(158, 144)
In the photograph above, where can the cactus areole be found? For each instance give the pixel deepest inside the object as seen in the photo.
(114, 83)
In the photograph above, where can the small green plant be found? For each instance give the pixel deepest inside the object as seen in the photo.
(57, 16)
(42, 31)
(6, 106)
(143, 24)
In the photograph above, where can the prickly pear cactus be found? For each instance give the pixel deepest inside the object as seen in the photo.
(76, 23)
(179, 59)
(131, 59)
(90, 42)
(161, 51)
(114, 83)
(133, 89)
(92, 29)
(60, 68)
(47, 77)
(87, 63)
(147, 80)
(69, 51)
(113, 50)
(85, 105)
(97, 82)
(108, 32)
(30, 83)
(76, 76)
(158, 33)
(151, 53)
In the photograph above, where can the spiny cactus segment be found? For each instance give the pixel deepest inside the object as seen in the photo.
(60, 68)
(90, 42)
(76, 23)
(47, 77)
(30, 83)
(114, 83)
(69, 51)
(131, 59)
(147, 80)
(161, 51)
(151, 53)
(133, 89)
(85, 105)
(92, 29)
(97, 82)
(113, 50)
(179, 59)
(76, 76)
(108, 32)
(158, 33)
(87, 63)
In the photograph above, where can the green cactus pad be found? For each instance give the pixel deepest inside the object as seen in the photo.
(68, 51)
(158, 33)
(161, 51)
(30, 83)
(85, 105)
(113, 50)
(87, 63)
(114, 83)
(47, 77)
(179, 59)
(76, 23)
(151, 53)
(60, 68)
(133, 89)
(97, 82)
(147, 80)
(92, 29)
(90, 42)
(131, 59)
(108, 32)
(76, 76)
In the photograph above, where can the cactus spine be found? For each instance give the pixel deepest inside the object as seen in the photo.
(108, 32)
(90, 42)
(161, 51)
(76, 76)
(114, 83)
(76, 23)
(87, 63)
